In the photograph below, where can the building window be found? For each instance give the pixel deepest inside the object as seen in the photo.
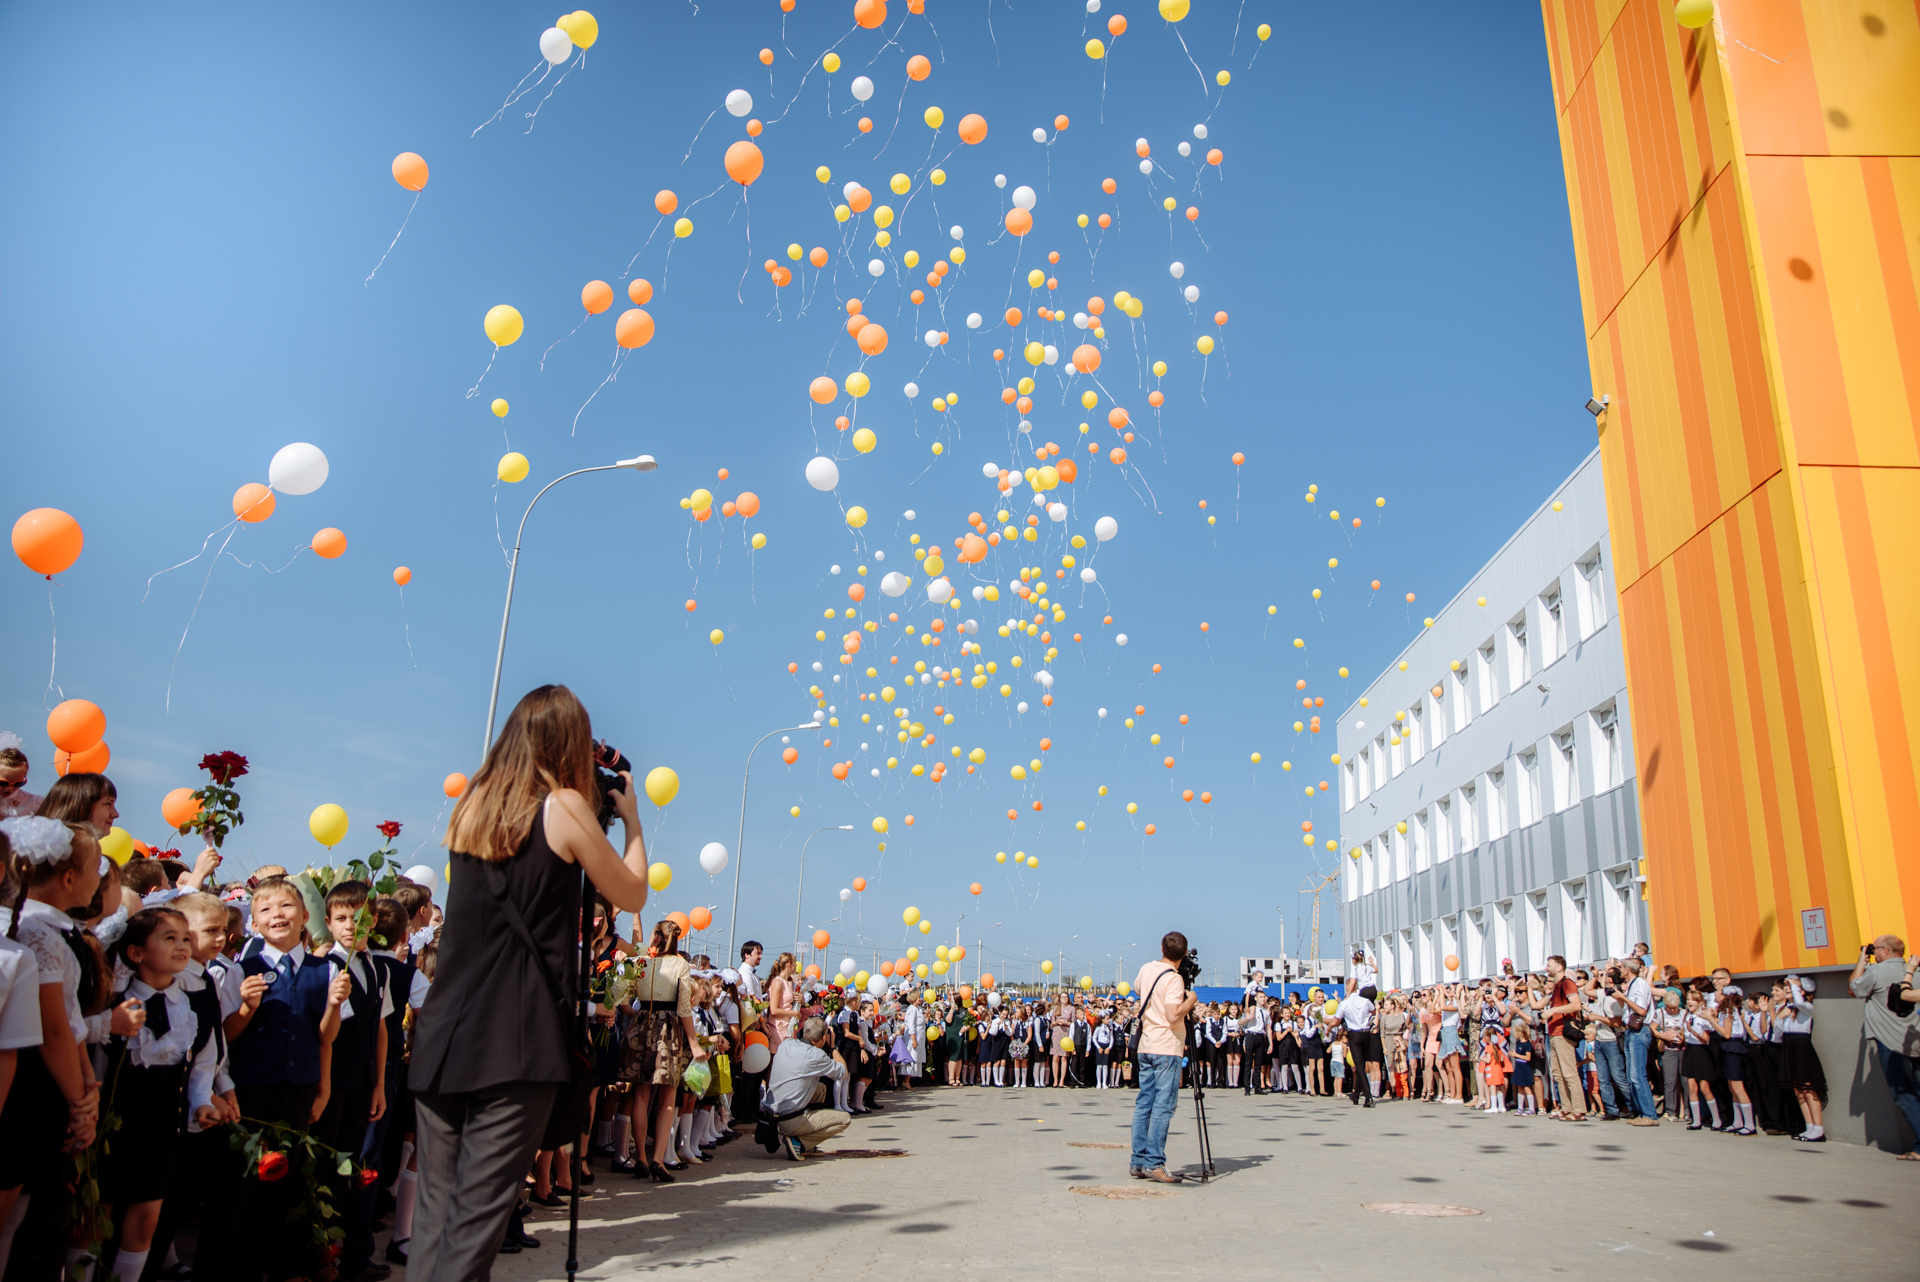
(1422, 850)
(1437, 723)
(1566, 774)
(1529, 798)
(1399, 841)
(1503, 936)
(1348, 792)
(1398, 747)
(1608, 769)
(1537, 949)
(1350, 879)
(1412, 734)
(1409, 975)
(1428, 962)
(1466, 824)
(1474, 959)
(1496, 803)
(1519, 662)
(1623, 919)
(1458, 680)
(1484, 672)
(1573, 923)
(1450, 947)
(1553, 631)
(1380, 761)
(1443, 829)
(1592, 600)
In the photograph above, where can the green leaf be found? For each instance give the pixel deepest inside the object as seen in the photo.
(376, 861)
(346, 1165)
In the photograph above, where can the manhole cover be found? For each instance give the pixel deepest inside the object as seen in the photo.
(1123, 1192)
(1091, 1144)
(864, 1152)
(1431, 1209)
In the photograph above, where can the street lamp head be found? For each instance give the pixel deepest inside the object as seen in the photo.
(846, 827)
(643, 463)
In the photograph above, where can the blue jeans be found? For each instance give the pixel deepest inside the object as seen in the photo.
(1614, 1093)
(1639, 1043)
(1153, 1110)
(1900, 1071)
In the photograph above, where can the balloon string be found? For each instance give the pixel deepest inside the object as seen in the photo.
(658, 224)
(436, 823)
(696, 135)
(1196, 66)
(898, 107)
(189, 561)
(407, 631)
(569, 334)
(498, 536)
(475, 389)
(612, 373)
(396, 237)
(54, 665)
(739, 289)
(211, 566)
(543, 67)
(256, 565)
(532, 116)
(803, 78)
(1237, 18)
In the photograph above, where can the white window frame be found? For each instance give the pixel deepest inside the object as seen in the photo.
(1497, 821)
(1402, 843)
(1503, 937)
(1528, 797)
(1443, 830)
(1553, 625)
(1416, 748)
(1537, 932)
(1458, 693)
(1486, 673)
(1566, 769)
(1422, 833)
(1574, 935)
(1349, 793)
(1590, 583)
(1450, 947)
(1519, 657)
(1467, 821)
(1609, 768)
(1380, 775)
(1473, 958)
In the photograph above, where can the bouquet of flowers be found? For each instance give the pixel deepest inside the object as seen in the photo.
(219, 812)
(315, 883)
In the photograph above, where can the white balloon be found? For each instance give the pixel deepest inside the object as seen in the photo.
(845, 894)
(1081, 320)
(739, 102)
(957, 232)
(895, 583)
(823, 473)
(990, 470)
(833, 569)
(1146, 167)
(1020, 706)
(910, 514)
(1186, 148)
(876, 984)
(862, 88)
(555, 45)
(974, 319)
(817, 667)
(940, 591)
(424, 875)
(1023, 197)
(1044, 677)
(1087, 575)
(876, 267)
(1176, 270)
(756, 1058)
(1052, 354)
(1015, 477)
(1199, 131)
(1105, 528)
(1103, 712)
(993, 999)
(298, 468)
(1039, 135)
(1057, 511)
(979, 594)
(847, 190)
(999, 180)
(847, 964)
(1093, 6)
(933, 338)
(1121, 639)
(1193, 293)
(879, 556)
(1138, 143)
(713, 858)
(912, 390)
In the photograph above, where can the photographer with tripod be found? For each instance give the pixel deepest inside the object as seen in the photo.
(1165, 999)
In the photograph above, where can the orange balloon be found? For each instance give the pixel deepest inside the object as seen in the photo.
(918, 68)
(1206, 798)
(766, 57)
(680, 920)
(639, 291)
(869, 13)
(817, 256)
(1116, 418)
(866, 124)
(633, 329)
(701, 918)
(410, 171)
(596, 296)
(93, 761)
(858, 202)
(973, 549)
(823, 389)
(76, 725)
(974, 889)
(840, 769)
(872, 339)
(859, 883)
(665, 201)
(253, 503)
(1116, 25)
(744, 162)
(856, 591)
(1086, 358)
(454, 785)
(1096, 305)
(790, 756)
(988, 981)
(1214, 157)
(330, 543)
(748, 504)
(821, 939)
(47, 540)
(886, 969)
(402, 575)
(1118, 455)
(1059, 122)
(1068, 470)
(754, 1037)
(973, 128)
(959, 954)
(179, 807)
(1019, 221)
(813, 972)
(1150, 830)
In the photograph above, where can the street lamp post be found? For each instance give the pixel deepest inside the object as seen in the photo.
(733, 914)
(801, 888)
(642, 463)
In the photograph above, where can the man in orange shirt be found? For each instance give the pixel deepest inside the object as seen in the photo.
(1164, 1003)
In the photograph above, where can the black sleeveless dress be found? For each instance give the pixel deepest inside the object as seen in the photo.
(490, 1017)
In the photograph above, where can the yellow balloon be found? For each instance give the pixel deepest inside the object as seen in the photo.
(513, 467)
(663, 785)
(683, 227)
(1171, 10)
(939, 968)
(1263, 31)
(117, 845)
(860, 979)
(328, 824)
(581, 27)
(864, 440)
(1332, 1008)
(503, 325)
(858, 384)
(926, 928)
(1125, 988)
(1223, 78)
(659, 876)
(1096, 49)
(499, 407)
(1086, 983)
(1046, 968)
(934, 117)
(921, 970)
(940, 951)
(1693, 13)
(832, 63)
(856, 517)
(913, 954)
(759, 541)
(1205, 344)
(823, 173)
(1036, 353)
(911, 915)
(701, 500)
(880, 826)
(716, 636)
(1000, 857)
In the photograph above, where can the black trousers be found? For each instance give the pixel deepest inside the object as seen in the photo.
(1253, 1062)
(252, 1238)
(344, 1125)
(474, 1147)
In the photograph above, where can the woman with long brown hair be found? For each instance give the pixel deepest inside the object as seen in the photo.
(783, 1000)
(660, 1038)
(493, 1047)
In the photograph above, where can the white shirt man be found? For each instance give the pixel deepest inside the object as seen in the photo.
(795, 1084)
(1356, 1012)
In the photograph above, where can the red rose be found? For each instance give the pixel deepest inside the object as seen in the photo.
(367, 1177)
(389, 829)
(225, 767)
(273, 1166)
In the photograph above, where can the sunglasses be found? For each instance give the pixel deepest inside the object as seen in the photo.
(7, 785)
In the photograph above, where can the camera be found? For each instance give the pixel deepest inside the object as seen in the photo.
(1189, 967)
(608, 762)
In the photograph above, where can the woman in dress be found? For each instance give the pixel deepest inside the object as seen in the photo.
(1060, 1022)
(783, 1001)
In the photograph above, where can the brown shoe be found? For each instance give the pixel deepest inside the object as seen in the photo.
(1642, 1121)
(1161, 1175)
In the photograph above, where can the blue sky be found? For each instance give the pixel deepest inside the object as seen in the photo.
(182, 268)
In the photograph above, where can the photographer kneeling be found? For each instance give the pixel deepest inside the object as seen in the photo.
(795, 1083)
(1164, 1002)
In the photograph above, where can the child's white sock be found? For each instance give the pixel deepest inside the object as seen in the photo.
(127, 1265)
(603, 1132)
(1713, 1107)
(403, 1205)
(1693, 1106)
(622, 1135)
(76, 1254)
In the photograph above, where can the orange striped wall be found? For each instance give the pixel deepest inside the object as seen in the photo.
(1745, 204)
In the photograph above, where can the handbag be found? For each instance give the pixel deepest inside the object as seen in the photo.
(569, 1116)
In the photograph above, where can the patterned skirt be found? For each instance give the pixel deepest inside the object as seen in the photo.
(655, 1051)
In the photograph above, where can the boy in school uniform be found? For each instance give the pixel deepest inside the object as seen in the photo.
(276, 1053)
(357, 1071)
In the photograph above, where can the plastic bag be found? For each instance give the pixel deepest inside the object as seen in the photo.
(698, 1077)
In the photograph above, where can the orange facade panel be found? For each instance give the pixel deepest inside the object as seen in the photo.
(1824, 77)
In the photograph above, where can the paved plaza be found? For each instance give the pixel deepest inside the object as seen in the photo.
(971, 1183)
